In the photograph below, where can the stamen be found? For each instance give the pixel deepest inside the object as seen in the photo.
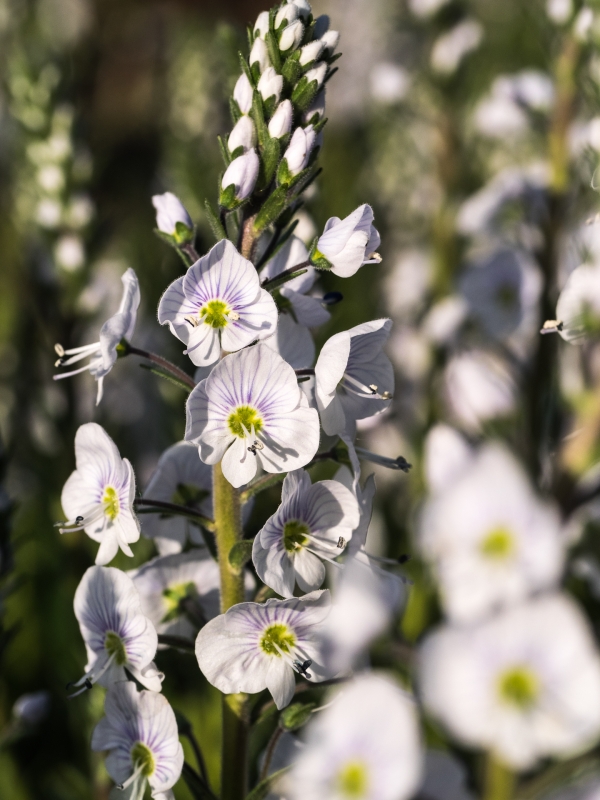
(390, 463)
(353, 385)
(341, 542)
(95, 513)
(233, 315)
(194, 321)
(134, 776)
(70, 374)
(324, 558)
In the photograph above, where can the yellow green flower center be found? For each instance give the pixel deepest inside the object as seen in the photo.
(215, 313)
(141, 755)
(110, 501)
(352, 780)
(113, 644)
(519, 686)
(244, 417)
(294, 535)
(173, 596)
(276, 636)
(498, 544)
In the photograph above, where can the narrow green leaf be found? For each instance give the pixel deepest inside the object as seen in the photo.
(214, 221)
(225, 154)
(246, 68)
(271, 210)
(262, 789)
(273, 50)
(240, 554)
(166, 375)
(270, 159)
(258, 115)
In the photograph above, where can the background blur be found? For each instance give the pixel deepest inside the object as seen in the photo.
(106, 102)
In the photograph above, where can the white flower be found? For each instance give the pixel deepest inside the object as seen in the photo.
(117, 634)
(293, 343)
(490, 540)
(389, 82)
(293, 297)
(450, 48)
(270, 84)
(310, 52)
(504, 110)
(139, 731)
(69, 252)
(259, 55)
(478, 387)
(364, 745)
(180, 592)
(317, 73)
(303, 7)
(525, 684)
(218, 303)
(251, 413)
(345, 245)
(242, 93)
(354, 377)
(169, 211)
(261, 26)
(281, 121)
(445, 455)
(242, 174)
(313, 522)
(426, 8)
(260, 646)
(578, 307)
(103, 354)
(299, 149)
(291, 36)
(181, 478)
(559, 11)
(243, 133)
(286, 14)
(330, 40)
(98, 496)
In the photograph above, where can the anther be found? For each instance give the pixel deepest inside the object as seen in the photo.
(59, 350)
(78, 520)
(192, 320)
(386, 395)
(233, 315)
(373, 388)
(302, 667)
(404, 558)
(341, 542)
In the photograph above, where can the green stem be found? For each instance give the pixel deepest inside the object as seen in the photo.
(228, 531)
(499, 780)
(162, 362)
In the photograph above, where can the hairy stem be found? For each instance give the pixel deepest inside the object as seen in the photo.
(287, 275)
(164, 363)
(499, 781)
(228, 531)
(269, 753)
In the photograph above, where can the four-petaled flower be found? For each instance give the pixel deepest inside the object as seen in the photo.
(250, 412)
(218, 303)
(140, 734)
(354, 377)
(98, 497)
(104, 353)
(117, 635)
(346, 244)
(260, 646)
(313, 522)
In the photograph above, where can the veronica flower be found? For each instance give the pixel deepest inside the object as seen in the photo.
(104, 353)
(180, 592)
(293, 342)
(170, 211)
(117, 635)
(313, 522)
(218, 304)
(139, 731)
(180, 478)
(98, 497)
(251, 413)
(364, 745)
(293, 298)
(347, 244)
(260, 646)
(490, 540)
(354, 377)
(525, 684)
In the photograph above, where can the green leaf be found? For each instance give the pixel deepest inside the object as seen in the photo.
(246, 68)
(227, 198)
(258, 115)
(214, 222)
(273, 50)
(225, 154)
(271, 210)
(198, 789)
(240, 554)
(274, 284)
(262, 789)
(234, 110)
(183, 234)
(304, 93)
(292, 71)
(270, 159)
(284, 176)
(166, 375)
(296, 715)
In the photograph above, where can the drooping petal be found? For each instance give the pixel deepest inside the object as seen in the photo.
(310, 571)
(280, 682)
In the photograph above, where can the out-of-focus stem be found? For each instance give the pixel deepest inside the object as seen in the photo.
(164, 363)
(499, 781)
(228, 531)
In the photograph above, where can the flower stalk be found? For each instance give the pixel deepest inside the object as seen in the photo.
(499, 780)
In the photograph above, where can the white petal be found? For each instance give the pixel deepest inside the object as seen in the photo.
(280, 682)
(310, 571)
(239, 465)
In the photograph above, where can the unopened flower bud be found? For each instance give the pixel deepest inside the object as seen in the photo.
(259, 55)
(286, 14)
(242, 173)
(330, 40)
(32, 708)
(261, 26)
(291, 36)
(310, 52)
(303, 7)
(169, 211)
(242, 135)
(317, 107)
(242, 93)
(270, 84)
(281, 121)
(299, 149)
(317, 73)
(321, 26)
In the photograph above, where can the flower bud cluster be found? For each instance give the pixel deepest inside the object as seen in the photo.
(278, 108)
